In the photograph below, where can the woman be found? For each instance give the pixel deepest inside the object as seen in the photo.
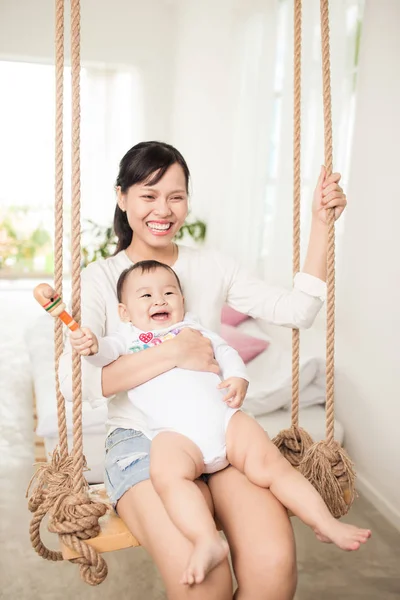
(152, 205)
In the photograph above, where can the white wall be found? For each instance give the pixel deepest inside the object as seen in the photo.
(124, 33)
(368, 298)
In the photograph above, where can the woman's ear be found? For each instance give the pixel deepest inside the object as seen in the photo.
(123, 313)
(121, 199)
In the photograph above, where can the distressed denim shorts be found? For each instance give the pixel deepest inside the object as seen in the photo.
(127, 462)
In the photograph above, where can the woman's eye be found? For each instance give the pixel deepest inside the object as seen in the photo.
(148, 197)
(177, 198)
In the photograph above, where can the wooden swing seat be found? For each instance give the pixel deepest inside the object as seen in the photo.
(115, 535)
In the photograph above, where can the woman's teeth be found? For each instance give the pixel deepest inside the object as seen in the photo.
(159, 226)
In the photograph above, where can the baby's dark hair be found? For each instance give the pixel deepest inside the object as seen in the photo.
(145, 266)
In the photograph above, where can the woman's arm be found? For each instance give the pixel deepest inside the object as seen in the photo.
(328, 194)
(132, 370)
(188, 350)
(298, 307)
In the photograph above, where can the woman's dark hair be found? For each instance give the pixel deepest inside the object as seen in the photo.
(138, 164)
(145, 266)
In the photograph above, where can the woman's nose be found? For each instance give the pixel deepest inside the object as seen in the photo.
(162, 207)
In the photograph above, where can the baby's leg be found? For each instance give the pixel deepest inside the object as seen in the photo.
(250, 450)
(175, 462)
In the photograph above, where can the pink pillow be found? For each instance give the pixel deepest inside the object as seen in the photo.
(230, 316)
(247, 346)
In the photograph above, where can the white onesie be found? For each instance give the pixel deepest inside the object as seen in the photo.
(180, 400)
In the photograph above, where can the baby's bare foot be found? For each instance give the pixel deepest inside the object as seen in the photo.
(346, 537)
(206, 555)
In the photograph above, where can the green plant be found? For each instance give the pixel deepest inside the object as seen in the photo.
(197, 230)
(18, 247)
(100, 242)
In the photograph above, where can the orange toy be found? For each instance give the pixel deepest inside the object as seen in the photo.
(53, 304)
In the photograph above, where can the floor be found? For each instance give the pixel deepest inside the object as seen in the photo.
(325, 573)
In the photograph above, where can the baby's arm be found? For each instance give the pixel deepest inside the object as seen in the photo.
(99, 351)
(233, 371)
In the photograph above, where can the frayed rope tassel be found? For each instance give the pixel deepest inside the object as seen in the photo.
(328, 468)
(293, 443)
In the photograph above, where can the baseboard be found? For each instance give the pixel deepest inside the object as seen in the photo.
(387, 510)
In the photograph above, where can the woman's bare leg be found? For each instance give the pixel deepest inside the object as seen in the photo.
(144, 514)
(260, 537)
(251, 451)
(175, 463)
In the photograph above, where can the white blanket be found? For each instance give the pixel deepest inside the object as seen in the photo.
(270, 376)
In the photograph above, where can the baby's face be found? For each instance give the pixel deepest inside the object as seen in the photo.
(152, 300)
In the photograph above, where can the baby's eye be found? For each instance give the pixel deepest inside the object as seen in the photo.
(168, 293)
(146, 296)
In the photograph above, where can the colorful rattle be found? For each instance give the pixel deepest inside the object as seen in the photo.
(53, 304)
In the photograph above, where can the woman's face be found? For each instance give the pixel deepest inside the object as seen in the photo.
(157, 212)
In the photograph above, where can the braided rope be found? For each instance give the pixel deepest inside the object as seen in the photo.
(52, 478)
(60, 487)
(330, 280)
(76, 516)
(295, 441)
(75, 242)
(296, 201)
(326, 464)
(58, 224)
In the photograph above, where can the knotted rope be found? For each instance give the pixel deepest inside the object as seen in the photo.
(293, 442)
(326, 464)
(60, 488)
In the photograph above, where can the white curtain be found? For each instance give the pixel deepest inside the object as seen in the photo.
(233, 118)
(345, 24)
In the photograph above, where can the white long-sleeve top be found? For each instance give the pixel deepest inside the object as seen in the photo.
(181, 400)
(209, 280)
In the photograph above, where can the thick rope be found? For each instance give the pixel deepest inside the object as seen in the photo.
(58, 236)
(294, 442)
(330, 334)
(75, 242)
(60, 487)
(296, 200)
(52, 478)
(326, 464)
(75, 516)
(48, 482)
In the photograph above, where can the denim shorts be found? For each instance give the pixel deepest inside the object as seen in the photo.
(127, 462)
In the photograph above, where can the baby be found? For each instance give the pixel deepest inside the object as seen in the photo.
(194, 428)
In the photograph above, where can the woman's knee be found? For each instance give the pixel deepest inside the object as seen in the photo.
(268, 574)
(217, 586)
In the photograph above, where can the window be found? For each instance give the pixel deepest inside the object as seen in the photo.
(111, 124)
(345, 32)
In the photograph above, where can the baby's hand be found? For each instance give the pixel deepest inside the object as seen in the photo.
(84, 341)
(237, 391)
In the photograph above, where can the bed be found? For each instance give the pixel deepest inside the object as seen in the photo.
(268, 397)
